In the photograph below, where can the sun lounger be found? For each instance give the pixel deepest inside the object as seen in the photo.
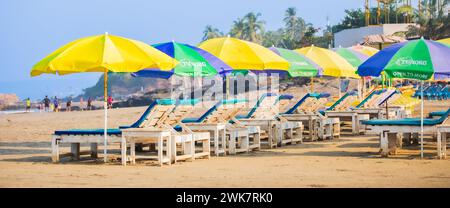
(265, 115)
(217, 119)
(318, 126)
(157, 120)
(402, 126)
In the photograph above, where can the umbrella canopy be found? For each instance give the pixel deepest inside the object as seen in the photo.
(331, 63)
(103, 53)
(299, 65)
(445, 41)
(351, 56)
(368, 51)
(193, 62)
(244, 55)
(417, 59)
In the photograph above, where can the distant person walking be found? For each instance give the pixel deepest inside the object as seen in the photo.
(69, 105)
(56, 104)
(28, 105)
(81, 103)
(110, 101)
(46, 104)
(89, 104)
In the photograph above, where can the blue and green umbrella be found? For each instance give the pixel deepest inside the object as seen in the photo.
(193, 62)
(417, 59)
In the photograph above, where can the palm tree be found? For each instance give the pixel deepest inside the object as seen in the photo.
(432, 21)
(237, 30)
(295, 28)
(253, 27)
(211, 32)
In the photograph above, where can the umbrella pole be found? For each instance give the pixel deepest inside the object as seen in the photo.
(227, 80)
(105, 106)
(339, 87)
(421, 121)
(312, 84)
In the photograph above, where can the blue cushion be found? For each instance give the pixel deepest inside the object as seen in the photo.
(402, 122)
(88, 132)
(409, 121)
(436, 113)
(166, 101)
(234, 101)
(190, 120)
(187, 101)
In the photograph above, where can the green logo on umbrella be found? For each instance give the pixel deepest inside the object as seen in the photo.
(408, 61)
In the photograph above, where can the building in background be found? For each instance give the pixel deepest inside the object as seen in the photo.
(354, 36)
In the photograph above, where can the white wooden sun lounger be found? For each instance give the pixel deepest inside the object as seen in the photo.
(279, 130)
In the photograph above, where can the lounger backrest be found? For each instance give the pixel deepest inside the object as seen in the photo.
(265, 108)
(368, 98)
(444, 116)
(179, 113)
(285, 102)
(157, 115)
(299, 103)
(224, 111)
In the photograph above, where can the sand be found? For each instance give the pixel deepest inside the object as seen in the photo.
(352, 161)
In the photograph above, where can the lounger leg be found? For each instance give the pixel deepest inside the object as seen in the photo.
(55, 149)
(94, 150)
(439, 144)
(384, 144)
(257, 140)
(123, 149)
(355, 125)
(75, 150)
(232, 142)
(444, 144)
(132, 151)
(216, 142)
(206, 147)
(160, 151)
(224, 141)
(168, 145)
(173, 147)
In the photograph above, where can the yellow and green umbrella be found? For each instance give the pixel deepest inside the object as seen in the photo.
(366, 50)
(103, 53)
(331, 63)
(244, 55)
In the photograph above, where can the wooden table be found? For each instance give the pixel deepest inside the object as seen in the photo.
(218, 131)
(354, 117)
(134, 135)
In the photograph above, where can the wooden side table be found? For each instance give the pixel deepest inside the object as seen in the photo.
(442, 132)
(145, 135)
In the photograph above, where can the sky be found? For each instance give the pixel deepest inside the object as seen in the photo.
(30, 30)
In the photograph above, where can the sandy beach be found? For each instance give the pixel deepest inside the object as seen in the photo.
(352, 161)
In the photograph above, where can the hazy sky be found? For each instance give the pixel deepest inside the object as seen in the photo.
(32, 29)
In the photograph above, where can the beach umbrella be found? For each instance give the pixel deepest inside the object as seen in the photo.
(445, 41)
(353, 57)
(366, 50)
(299, 65)
(417, 59)
(193, 62)
(245, 55)
(103, 53)
(331, 63)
